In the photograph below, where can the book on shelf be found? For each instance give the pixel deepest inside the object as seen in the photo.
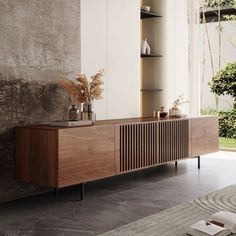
(68, 123)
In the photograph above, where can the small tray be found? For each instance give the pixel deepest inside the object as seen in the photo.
(68, 123)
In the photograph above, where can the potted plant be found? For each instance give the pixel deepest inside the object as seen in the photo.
(175, 111)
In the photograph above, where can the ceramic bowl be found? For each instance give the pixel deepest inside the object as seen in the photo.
(146, 8)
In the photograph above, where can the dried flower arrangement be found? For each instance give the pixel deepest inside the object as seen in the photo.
(179, 101)
(83, 89)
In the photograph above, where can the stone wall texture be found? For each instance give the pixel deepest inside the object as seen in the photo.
(39, 45)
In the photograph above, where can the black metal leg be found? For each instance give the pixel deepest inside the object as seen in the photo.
(56, 190)
(176, 164)
(198, 162)
(82, 191)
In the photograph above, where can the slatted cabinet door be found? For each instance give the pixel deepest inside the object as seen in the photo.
(138, 146)
(85, 154)
(173, 140)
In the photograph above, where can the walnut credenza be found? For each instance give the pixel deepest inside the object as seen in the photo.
(59, 157)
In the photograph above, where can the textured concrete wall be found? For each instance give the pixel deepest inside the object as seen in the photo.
(39, 45)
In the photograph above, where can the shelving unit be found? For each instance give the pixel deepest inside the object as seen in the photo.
(151, 90)
(151, 65)
(145, 15)
(151, 55)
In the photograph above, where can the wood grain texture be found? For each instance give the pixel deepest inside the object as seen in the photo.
(204, 136)
(117, 149)
(36, 156)
(59, 157)
(138, 146)
(173, 140)
(86, 154)
(113, 122)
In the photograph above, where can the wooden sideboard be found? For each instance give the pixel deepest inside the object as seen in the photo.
(59, 157)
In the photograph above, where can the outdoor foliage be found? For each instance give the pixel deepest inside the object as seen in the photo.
(215, 3)
(227, 124)
(225, 82)
(229, 17)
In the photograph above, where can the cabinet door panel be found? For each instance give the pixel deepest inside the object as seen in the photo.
(204, 135)
(86, 154)
(173, 140)
(36, 156)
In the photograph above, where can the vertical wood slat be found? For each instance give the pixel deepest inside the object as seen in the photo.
(126, 148)
(159, 138)
(147, 144)
(138, 146)
(173, 140)
(121, 148)
(151, 133)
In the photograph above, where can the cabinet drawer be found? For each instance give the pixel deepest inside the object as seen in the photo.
(85, 154)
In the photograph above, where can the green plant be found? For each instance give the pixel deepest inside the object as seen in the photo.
(209, 111)
(230, 17)
(227, 124)
(225, 82)
(227, 143)
(227, 121)
(215, 3)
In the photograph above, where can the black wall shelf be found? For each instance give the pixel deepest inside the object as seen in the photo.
(151, 90)
(151, 55)
(145, 15)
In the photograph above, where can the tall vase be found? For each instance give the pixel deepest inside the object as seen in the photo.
(145, 48)
(88, 113)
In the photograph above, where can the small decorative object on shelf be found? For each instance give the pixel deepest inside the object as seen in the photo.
(154, 114)
(163, 113)
(146, 8)
(74, 113)
(84, 90)
(175, 112)
(145, 48)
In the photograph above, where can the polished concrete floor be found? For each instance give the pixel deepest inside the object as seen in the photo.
(116, 201)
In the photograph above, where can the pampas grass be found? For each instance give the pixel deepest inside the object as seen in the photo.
(83, 89)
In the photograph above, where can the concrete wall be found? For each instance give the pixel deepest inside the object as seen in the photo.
(39, 44)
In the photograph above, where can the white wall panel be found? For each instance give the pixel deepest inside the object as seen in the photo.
(94, 45)
(177, 52)
(123, 58)
(110, 33)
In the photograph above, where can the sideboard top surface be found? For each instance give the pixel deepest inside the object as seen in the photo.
(114, 122)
